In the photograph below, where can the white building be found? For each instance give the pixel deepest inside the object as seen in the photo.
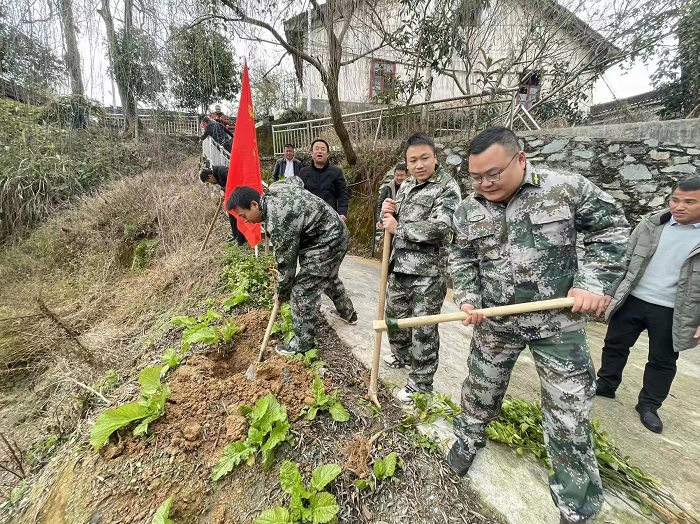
(513, 44)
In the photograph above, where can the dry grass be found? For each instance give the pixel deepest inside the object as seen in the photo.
(81, 264)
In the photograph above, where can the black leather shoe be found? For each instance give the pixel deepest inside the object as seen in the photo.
(459, 459)
(650, 419)
(601, 390)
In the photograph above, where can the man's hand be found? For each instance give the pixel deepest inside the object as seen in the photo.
(390, 224)
(380, 225)
(697, 336)
(343, 218)
(474, 318)
(277, 300)
(388, 206)
(587, 302)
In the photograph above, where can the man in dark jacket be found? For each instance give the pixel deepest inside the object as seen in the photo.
(324, 180)
(218, 175)
(217, 132)
(659, 292)
(288, 166)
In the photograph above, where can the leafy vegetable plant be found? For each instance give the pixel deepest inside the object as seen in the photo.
(250, 279)
(284, 324)
(308, 503)
(269, 427)
(325, 402)
(383, 469)
(162, 515)
(148, 408)
(202, 330)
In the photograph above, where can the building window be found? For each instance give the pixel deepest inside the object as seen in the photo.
(382, 76)
(529, 88)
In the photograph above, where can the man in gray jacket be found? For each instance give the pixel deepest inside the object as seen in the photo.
(659, 292)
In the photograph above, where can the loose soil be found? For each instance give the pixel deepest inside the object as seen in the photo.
(131, 477)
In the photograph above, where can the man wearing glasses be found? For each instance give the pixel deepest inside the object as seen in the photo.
(515, 242)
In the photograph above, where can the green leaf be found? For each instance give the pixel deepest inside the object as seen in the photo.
(236, 299)
(149, 379)
(276, 515)
(183, 321)
(379, 469)
(319, 389)
(142, 428)
(361, 484)
(114, 419)
(323, 507)
(163, 512)
(290, 478)
(171, 359)
(207, 335)
(322, 475)
(390, 462)
(229, 331)
(267, 459)
(233, 455)
(338, 412)
(311, 412)
(279, 434)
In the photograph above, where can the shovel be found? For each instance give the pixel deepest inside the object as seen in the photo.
(374, 377)
(250, 374)
(512, 309)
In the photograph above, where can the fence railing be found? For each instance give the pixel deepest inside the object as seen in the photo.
(444, 119)
(159, 123)
(214, 153)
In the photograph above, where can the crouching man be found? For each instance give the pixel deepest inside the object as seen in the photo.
(303, 228)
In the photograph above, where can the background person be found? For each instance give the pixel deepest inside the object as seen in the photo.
(287, 166)
(325, 180)
(218, 175)
(660, 292)
(217, 132)
(515, 242)
(390, 189)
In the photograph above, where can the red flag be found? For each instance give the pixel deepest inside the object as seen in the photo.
(244, 169)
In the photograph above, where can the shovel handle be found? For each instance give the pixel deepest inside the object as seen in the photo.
(268, 331)
(513, 309)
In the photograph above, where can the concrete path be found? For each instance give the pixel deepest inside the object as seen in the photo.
(515, 486)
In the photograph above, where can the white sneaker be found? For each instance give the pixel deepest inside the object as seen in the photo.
(406, 394)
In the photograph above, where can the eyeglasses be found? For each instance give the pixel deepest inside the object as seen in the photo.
(478, 179)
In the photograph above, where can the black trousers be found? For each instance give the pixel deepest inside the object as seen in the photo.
(240, 238)
(633, 317)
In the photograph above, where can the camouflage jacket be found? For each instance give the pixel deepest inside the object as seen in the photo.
(301, 227)
(526, 250)
(424, 213)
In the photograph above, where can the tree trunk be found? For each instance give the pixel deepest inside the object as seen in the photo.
(125, 94)
(337, 119)
(72, 60)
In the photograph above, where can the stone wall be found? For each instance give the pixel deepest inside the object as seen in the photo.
(640, 174)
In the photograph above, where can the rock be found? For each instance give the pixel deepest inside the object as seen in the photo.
(555, 146)
(618, 195)
(629, 159)
(657, 201)
(690, 145)
(192, 431)
(453, 160)
(681, 160)
(582, 139)
(652, 142)
(535, 143)
(583, 166)
(646, 188)
(672, 149)
(680, 168)
(693, 151)
(439, 146)
(114, 451)
(659, 155)
(584, 153)
(236, 427)
(557, 157)
(611, 162)
(615, 184)
(635, 172)
(522, 144)
(614, 148)
(536, 159)
(447, 151)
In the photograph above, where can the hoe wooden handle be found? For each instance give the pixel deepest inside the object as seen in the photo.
(513, 309)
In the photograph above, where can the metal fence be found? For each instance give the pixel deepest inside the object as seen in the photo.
(447, 119)
(162, 123)
(214, 153)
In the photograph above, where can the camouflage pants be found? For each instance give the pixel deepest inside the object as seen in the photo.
(409, 296)
(318, 273)
(567, 381)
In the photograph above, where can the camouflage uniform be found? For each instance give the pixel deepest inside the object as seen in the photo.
(418, 265)
(303, 227)
(522, 252)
